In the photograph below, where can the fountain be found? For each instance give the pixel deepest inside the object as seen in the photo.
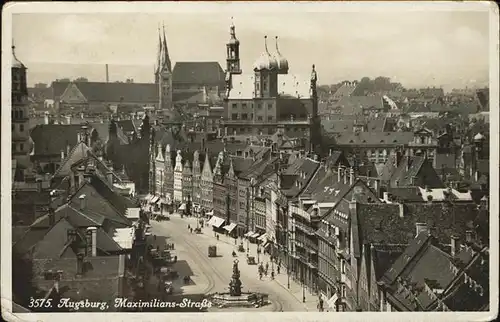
(235, 297)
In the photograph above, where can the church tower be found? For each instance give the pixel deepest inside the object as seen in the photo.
(315, 121)
(163, 74)
(233, 52)
(266, 75)
(21, 142)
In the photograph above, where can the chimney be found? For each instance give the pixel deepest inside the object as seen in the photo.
(62, 155)
(339, 173)
(375, 187)
(91, 241)
(386, 196)
(79, 264)
(454, 245)
(46, 118)
(52, 217)
(107, 73)
(39, 185)
(351, 176)
(468, 236)
(401, 210)
(109, 176)
(83, 202)
(68, 149)
(421, 227)
(345, 175)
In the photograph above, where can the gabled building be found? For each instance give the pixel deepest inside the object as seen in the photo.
(178, 176)
(187, 182)
(196, 174)
(206, 185)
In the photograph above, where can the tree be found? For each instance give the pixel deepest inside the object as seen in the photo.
(129, 80)
(382, 83)
(81, 79)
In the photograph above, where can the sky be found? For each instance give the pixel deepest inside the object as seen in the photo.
(417, 48)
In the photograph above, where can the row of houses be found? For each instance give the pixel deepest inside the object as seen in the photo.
(74, 233)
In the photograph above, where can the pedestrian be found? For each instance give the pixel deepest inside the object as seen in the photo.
(267, 266)
(278, 269)
(217, 236)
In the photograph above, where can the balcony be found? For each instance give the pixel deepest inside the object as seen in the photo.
(294, 210)
(308, 230)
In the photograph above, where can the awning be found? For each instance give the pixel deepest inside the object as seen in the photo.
(163, 201)
(148, 197)
(154, 199)
(229, 228)
(215, 221)
(263, 237)
(182, 207)
(255, 235)
(210, 213)
(248, 234)
(331, 302)
(266, 244)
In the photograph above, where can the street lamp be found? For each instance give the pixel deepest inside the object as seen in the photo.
(303, 285)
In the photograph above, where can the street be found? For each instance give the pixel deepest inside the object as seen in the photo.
(211, 275)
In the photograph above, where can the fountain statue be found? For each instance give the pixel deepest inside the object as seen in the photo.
(235, 284)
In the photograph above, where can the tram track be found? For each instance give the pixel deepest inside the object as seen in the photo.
(213, 272)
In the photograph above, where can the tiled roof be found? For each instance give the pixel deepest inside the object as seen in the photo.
(382, 223)
(403, 177)
(371, 125)
(378, 139)
(303, 169)
(406, 194)
(79, 152)
(119, 92)
(384, 256)
(51, 139)
(103, 132)
(202, 73)
(345, 90)
(126, 125)
(260, 169)
(243, 86)
(356, 104)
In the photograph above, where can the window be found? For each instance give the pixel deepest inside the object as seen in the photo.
(234, 116)
(235, 105)
(259, 118)
(244, 105)
(244, 116)
(259, 105)
(21, 127)
(13, 127)
(269, 106)
(270, 118)
(13, 147)
(21, 147)
(343, 291)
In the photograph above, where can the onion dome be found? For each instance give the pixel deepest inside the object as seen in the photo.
(266, 61)
(281, 60)
(16, 63)
(232, 32)
(479, 137)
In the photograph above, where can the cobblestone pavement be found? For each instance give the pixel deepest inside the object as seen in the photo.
(213, 274)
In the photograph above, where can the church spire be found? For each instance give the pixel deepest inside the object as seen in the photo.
(166, 57)
(158, 56)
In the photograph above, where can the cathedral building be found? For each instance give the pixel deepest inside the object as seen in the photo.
(270, 99)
